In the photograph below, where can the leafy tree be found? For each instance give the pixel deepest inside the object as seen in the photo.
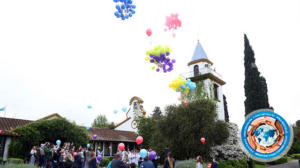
(42, 131)
(182, 128)
(157, 114)
(225, 109)
(296, 144)
(146, 130)
(101, 122)
(256, 90)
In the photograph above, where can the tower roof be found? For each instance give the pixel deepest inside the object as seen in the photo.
(199, 55)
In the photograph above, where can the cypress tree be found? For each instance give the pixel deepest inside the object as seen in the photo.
(225, 109)
(256, 90)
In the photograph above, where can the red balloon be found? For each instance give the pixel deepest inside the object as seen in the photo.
(0, 131)
(149, 32)
(186, 104)
(208, 165)
(202, 140)
(139, 140)
(121, 146)
(74, 154)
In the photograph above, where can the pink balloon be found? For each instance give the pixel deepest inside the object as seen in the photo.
(149, 32)
(186, 104)
(74, 154)
(0, 131)
(139, 140)
(121, 146)
(202, 140)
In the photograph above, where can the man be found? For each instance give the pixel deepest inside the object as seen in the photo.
(214, 164)
(147, 163)
(116, 162)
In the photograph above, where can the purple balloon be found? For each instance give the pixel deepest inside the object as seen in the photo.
(173, 60)
(95, 136)
(162, 54)
(157, 70)
(152, 155)
(99, 158)
(168, 53)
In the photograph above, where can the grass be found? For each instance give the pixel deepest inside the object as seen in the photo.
(259, 166)
(19, 166)
(188, 164)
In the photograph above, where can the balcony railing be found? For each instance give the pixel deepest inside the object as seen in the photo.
(202, 71)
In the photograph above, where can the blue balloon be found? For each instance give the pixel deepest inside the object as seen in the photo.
(115, 111)
(88, 145)
(124, 109)
(143, 153)
(88, 127)
(89, 106)
(126, 17)
(123, 6)
(130, 15)
(118, 7)
(116, 0)
(121, 0)
(123, 18)
(133, 6)
(133, 12)
(58, 142)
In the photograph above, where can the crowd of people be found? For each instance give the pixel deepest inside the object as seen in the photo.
(66, 156)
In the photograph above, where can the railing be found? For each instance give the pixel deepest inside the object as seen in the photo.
(202, 71)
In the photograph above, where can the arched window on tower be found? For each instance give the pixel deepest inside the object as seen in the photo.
(216, 93)
(196, 70)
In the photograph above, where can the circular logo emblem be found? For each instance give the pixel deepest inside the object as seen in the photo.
(266, 136)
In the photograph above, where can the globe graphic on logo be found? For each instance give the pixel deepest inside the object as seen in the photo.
(265, 135)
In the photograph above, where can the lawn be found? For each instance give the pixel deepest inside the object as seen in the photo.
(19, 166)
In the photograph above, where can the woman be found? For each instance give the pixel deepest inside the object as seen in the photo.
(200, 162)
(92, 161)
(32, 155)
(69, 161)
(170, 161)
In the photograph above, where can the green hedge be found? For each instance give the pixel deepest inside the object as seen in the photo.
(234, 164)
(1, 159)
(279, 161)
(19, 166)
(296, 156)
(104, 162)
(15, 160)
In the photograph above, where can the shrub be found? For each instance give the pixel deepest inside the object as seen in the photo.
(279, 161)
(234, 164)
(19, 166)
(16, 149)
(296, 156)
(15, 160)
(104, 162)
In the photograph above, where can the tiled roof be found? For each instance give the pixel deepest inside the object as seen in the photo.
(7, 124)
(105, 134)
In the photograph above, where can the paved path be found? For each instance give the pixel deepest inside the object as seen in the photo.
(291, 164)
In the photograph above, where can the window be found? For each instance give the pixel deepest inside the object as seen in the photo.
(216, 91)
(196, 70)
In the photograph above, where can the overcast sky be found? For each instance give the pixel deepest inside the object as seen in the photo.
(59, 56)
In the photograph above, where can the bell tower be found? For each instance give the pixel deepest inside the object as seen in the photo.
(202, 71)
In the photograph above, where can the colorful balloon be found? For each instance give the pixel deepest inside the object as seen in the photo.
(121, 146)
(124, 109)
(149, 32)
(152, 155)
(182, 85)
(94, 136)
(202, 140)
(74, 154)
(125, 9)
(143, 153)
(99, 158)
(160, 57)
(139, 140)
(58, 142)
(172, 22)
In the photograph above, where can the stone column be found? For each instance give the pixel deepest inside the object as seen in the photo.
(110, 149)
(6, 147)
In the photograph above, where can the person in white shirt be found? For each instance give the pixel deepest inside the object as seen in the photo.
(32, 157)
(200, 162)
(137, 157)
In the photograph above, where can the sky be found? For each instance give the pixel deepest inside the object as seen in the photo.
(60, 56)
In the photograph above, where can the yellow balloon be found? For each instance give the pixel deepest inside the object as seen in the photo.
(147, 58)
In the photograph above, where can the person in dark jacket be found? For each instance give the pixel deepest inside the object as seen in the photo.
(78, 160)
(69, 162)
(169, 161)
(92, 160)
(147, 163)
(214, 164)
(116, 162)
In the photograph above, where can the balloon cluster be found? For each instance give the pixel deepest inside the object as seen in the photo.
(124, 109)
(125, 9)
(160, 57)
(182, 85)
(172, 22)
